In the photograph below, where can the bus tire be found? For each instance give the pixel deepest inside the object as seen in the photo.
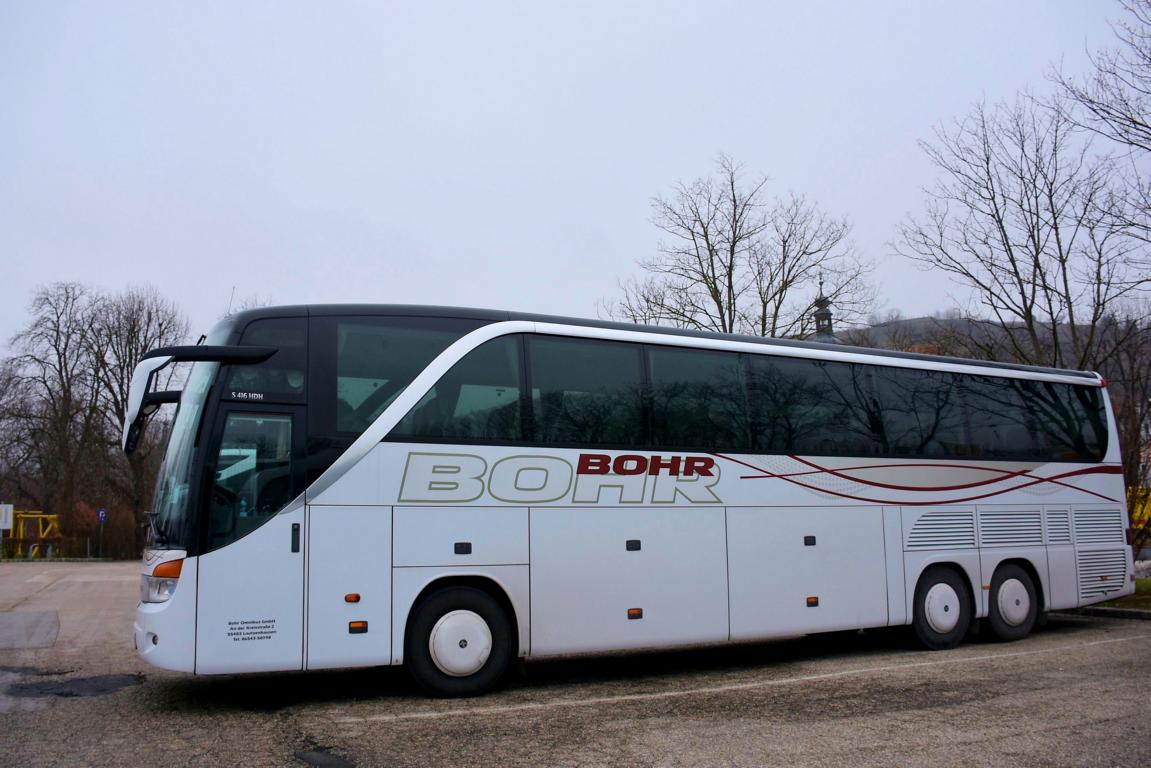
(458, 643)
(1014, 606)
(942, 612)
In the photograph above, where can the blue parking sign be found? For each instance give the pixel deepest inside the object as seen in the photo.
(103, 513)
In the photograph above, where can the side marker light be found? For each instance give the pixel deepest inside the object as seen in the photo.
(352, 597)
(634, 613)
(357, 627)
(168, 570)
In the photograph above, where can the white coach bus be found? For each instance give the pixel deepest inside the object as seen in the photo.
(447, 489)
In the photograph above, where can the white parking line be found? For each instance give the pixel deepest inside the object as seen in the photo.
(629, 697)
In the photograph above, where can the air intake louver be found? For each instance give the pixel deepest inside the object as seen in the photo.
(1058, 526)
(1011, 528)
(1101, 573)
(943, 530)
(1099, 526)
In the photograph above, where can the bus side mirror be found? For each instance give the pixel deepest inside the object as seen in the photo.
(151, 403)
(135, 414)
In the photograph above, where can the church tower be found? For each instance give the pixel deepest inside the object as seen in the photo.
(822, 316)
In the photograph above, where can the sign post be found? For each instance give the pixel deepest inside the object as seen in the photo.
(103, 513)
(5, 524)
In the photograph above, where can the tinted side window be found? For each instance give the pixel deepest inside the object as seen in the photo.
(362, 363)
(1069, 420)
(1001, 424)
(357, 365)
(586, 392)
(477, 400)
(698, 399)
(815, 407)
(922, 413)
(280, 378)
(1088, 402)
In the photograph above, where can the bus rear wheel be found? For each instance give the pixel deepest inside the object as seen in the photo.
(458, 643)
(942, 608)
(1014, 607)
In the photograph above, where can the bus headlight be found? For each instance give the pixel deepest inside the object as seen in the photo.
(160, 586)
(154, 590)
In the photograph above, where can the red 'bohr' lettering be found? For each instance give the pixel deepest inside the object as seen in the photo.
(593, 464)
(629, 465)
(633, 464)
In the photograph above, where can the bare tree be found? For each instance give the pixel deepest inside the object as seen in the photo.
(124, 328)
(57, 418)
(1116, 96)
(1128, 374)
(804, 249)
(1027, 218)
(63, 397)
(1114, 101)
(1036, 226)
(734, 261)
(14, 452)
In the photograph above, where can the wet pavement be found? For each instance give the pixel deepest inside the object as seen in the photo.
(1074, 694)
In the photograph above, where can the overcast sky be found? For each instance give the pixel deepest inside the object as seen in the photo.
(473, 153)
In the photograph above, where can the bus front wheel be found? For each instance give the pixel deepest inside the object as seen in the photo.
(1014, 606)
(458, 643)
(942, 608)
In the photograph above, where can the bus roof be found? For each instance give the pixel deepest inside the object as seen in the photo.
(494, 315)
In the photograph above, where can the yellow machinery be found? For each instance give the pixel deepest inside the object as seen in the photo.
(35, 534)
(1139, 502)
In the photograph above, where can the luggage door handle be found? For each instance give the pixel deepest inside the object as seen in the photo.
(295, 537)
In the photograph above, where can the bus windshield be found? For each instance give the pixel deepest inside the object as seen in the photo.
(170, 506)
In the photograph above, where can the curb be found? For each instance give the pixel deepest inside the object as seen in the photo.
(1108, 613)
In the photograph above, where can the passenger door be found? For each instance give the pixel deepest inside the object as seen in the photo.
(250, 594)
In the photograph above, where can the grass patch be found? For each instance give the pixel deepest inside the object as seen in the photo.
(1140, 601)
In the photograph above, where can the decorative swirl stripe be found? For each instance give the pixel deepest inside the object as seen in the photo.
(1006, 475)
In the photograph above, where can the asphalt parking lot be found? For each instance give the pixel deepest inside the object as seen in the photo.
(1077, 694)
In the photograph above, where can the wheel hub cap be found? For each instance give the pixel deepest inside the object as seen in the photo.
(942, 608)
(460, 643)
(1014, 602)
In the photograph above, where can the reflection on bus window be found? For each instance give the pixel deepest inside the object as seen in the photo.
(253, 475)
(478, 399)
(586, 392)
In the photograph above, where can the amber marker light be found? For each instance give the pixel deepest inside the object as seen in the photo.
(813, 602)
(352, 597)
(635, 613)
(357, 627)
(168, 570)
